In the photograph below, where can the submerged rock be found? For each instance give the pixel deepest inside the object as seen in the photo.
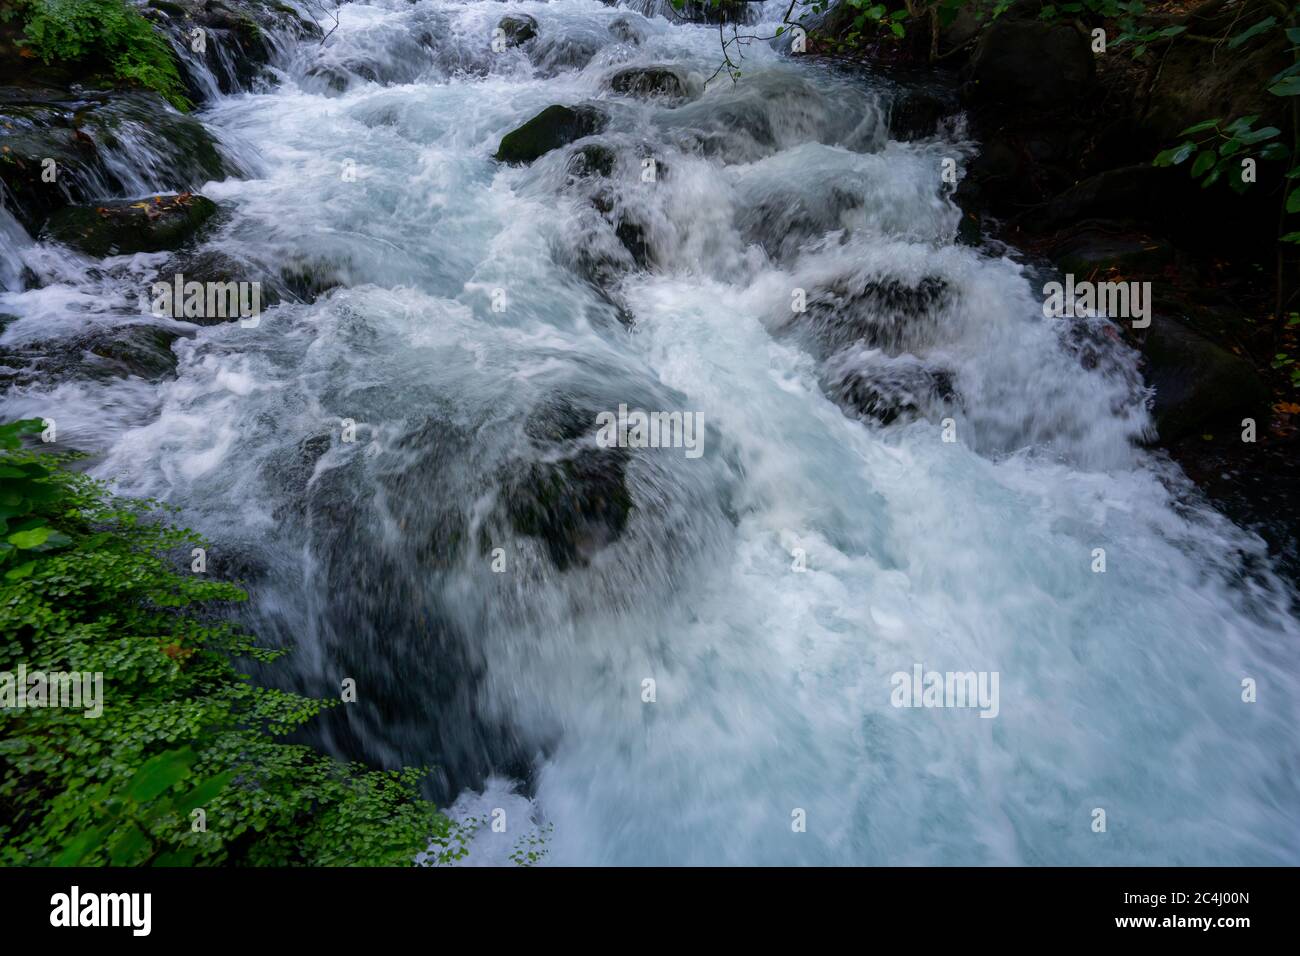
(154, 224)
(518, 28)
(648, 81)
(884, 392)
(132, 350)
(884, 313)
(626, 30)
(574, 499)
(550, 129)
(591, 159)
(554, 53)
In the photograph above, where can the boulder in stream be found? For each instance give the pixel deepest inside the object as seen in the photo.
(550, 129)
(124, 227)
(517, 28)
(648, 81)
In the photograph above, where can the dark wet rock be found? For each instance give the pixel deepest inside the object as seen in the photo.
(1142, 193)
(550, 129)
(1197, 383)
(576, 499)
(1031, 63)
(517, 29)
(1190, 85)
(882, 313)
(144, 351)
(591, 159)
(714, 11)
(219, 272)
(916, 113)
(307, 280)
(1095, 249)
(290, 470)
(631, 233)
(627, 30)
(648, 81)
(124, 227)
(92, 139)
(123, 351)
(885, 393)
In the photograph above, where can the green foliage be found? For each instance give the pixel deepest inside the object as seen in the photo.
(90, 584)
(1219, 147)
(108, 32)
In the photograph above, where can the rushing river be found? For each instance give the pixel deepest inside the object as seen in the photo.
(501, 589)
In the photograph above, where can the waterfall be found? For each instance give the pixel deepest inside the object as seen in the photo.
(629, 653)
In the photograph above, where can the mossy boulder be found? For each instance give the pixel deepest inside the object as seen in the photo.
(550, 129)
(153, 224)
(95, 142)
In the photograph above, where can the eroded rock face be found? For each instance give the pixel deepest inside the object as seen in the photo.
(152, 224)
(550, 129)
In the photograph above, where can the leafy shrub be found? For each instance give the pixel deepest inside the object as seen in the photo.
(89, 583)
(108, 32)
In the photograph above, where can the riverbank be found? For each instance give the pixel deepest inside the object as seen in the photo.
(1068, 128)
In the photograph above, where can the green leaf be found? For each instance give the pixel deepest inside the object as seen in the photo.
(1288, 87)
(30, 539)
(204, 792)
(76, 850)
(160, 773)
(20, 572)
(1259, 135)
(1254, 31)
(1175, 154)
(130, 845)
(1204, 161)
(1200, 127)
(1293, 201)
